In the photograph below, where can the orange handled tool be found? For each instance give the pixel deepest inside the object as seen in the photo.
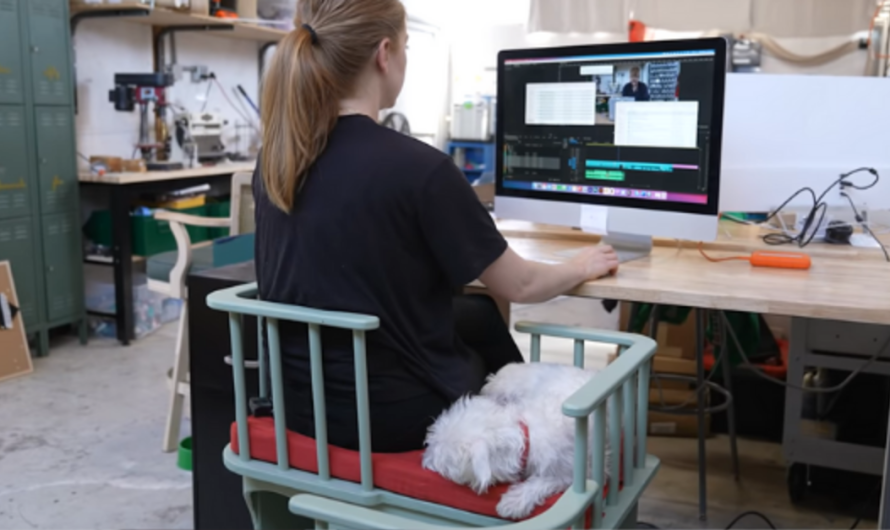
(767, 258)
(780, 260)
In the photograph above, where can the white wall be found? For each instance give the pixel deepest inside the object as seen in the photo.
(109, 46)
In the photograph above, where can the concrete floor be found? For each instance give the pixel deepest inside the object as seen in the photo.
(81, 437)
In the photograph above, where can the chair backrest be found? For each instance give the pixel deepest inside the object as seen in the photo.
(242, 210)
(242, 300)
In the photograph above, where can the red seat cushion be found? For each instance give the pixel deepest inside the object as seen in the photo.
(400, 473)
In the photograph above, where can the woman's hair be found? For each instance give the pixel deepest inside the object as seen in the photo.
(316, 66)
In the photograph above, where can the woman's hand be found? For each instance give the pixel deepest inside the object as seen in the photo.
(596, 262)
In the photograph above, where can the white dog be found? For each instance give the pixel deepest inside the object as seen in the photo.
(513, 432)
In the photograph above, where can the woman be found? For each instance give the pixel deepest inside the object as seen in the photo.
(355, 217)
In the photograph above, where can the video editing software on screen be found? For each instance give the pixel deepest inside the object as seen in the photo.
(634, 126)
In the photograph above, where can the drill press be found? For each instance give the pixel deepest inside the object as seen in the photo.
(143, 89)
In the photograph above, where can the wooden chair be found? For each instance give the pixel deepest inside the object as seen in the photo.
(290, 481)
(167, 274)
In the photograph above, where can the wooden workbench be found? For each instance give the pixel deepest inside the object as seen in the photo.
(841, 307)
(845, 283)
(161, 176)
(123, 189)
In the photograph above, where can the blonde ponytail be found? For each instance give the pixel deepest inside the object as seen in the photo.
(314, 67)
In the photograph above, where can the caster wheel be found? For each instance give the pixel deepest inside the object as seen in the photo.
(797, 482)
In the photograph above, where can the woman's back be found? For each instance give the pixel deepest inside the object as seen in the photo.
(383, 225)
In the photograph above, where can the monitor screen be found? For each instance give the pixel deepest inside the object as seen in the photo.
(637, 125)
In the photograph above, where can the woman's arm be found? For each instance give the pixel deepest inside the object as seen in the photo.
(529, 282)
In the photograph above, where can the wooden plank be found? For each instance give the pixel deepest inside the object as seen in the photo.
(164, 17)
(160, 176)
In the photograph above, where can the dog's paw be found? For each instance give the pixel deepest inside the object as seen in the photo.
(516, 504)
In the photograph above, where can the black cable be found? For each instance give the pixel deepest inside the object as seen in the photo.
(746, 514)
(831, 390)
(819, 209)
(861, 220)
(207, 94)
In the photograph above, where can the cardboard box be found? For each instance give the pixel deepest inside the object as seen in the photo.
(672, 397)
(114, 164)
(134, 166)
(686, 426)
(673, 341)
(779, 325)
(15, 358)
(485, 193)
(670, 384)
(673, 365)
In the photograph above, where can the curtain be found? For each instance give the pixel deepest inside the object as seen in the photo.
(812, 18)
(578, 16)
(778, 18)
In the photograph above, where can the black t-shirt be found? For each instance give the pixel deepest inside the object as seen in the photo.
(384, 225)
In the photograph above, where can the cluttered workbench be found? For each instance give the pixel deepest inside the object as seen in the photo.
(123, 189)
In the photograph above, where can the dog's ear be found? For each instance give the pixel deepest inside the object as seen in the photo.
(481, 461)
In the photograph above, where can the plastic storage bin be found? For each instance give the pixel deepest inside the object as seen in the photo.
(218, 209)
(151, 236)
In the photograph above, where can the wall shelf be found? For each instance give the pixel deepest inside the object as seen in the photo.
(166, 18)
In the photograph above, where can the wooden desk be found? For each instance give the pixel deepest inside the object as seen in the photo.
(124, 188)
(841, 310)
(845, 283)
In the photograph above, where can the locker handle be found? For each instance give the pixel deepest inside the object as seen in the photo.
(249, 365)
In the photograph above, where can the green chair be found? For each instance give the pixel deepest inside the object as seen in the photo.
(291, 481)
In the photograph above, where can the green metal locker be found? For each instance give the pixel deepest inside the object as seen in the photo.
(49, 52)
(10, 53)
(62, 261)
(16, 184)
(55, 159)
(17, 238)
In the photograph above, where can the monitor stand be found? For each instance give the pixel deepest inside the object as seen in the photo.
(628, 246)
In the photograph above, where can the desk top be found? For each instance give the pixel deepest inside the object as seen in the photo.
(160, 176)
(844, 283)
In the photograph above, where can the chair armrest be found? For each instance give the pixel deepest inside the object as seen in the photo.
(192, 220)
(639, 351)
(569, 508)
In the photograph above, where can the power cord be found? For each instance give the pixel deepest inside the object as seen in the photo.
(749, 513)
(837, 388)
(861, 220)
(810, 227)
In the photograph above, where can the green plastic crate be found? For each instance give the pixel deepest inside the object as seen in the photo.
(98, 228)
(151, 236)
(218, 209)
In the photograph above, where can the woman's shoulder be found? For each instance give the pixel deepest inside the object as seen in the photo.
(393, 149)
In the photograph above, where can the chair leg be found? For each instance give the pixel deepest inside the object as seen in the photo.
(180, 374)
(269, 511)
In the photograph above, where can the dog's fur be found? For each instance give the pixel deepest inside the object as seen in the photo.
(479, 441)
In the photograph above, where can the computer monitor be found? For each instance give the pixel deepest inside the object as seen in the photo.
(627, 136)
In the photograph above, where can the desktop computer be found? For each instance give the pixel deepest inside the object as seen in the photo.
(621, 139)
